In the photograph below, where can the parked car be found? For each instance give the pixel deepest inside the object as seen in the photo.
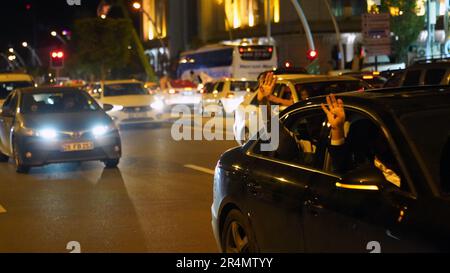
(46, 125)
(427, 72)
(11, 81)
(227, 94)
(294, 200)
(132, 104)
(292, 86)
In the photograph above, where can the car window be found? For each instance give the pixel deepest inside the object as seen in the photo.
(286, 93)
(57, 102)
(8, 87)
(434, 76)
(412, 78)
(219, 87)
(365, 146)
(301, 140)
(394, 81)
(278, 89)
(123, 89)
(325, 88)
(238, 86)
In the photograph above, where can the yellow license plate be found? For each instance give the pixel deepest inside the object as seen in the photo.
(78, 146)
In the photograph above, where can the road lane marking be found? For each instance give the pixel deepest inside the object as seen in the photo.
(200, 169)
(2, 209)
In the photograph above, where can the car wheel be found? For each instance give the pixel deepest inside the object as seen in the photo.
(111, 163)
(237, 235)
(20, 167)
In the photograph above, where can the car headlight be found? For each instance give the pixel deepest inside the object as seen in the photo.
(49, 134)
(117, 108)
(101, 130)
(157, 105)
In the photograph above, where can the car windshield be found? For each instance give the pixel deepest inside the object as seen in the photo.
(434, 145)
(57, 102)
(7, 87)
(124, 89)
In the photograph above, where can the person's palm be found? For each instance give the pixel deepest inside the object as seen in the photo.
(268, 84)
(335, 112)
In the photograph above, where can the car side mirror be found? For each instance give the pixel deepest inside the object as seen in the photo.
(107, 107)
(363, 179)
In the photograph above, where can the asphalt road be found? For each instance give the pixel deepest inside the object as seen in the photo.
(158, 200)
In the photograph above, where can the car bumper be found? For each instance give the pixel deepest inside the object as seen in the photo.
(34, 151)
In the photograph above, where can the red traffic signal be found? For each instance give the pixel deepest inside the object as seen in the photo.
(312, 55)
(57, 59)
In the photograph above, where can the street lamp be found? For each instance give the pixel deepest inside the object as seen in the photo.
(56, 35)
(34, 55)
(103, 16)
(137, 5)
(16, 54)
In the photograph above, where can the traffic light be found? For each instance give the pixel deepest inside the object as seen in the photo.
(57, 59)
(312, 54)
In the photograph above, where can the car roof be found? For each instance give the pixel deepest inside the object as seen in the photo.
(48, 89)
(313, 78)
(237, 80)
(122, 81)
(9, 77)
(397, 100)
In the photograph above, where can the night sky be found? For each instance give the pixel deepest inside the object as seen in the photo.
(32, 20)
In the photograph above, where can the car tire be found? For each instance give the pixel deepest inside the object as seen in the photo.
(237, 235)
(111, 163)
(20, 167)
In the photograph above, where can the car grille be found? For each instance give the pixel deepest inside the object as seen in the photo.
(57, 156)
(136, 109)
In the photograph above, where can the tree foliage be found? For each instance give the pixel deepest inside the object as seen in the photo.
(101, 45)
(405, 25)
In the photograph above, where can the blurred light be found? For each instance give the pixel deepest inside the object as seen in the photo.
(64, 32)
(103, 16)
(288, 64)
(115, 107)
(157, 105)
(312, 55)
(100, 130)
(137, 5)
(60, 54)
(11, 50)
(11, 57)
(47, 133)
(53, 33)
(172, 91)
(25, 44)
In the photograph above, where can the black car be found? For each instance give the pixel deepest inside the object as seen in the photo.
(39, 126)
(294, 199)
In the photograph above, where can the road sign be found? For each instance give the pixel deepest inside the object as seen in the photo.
(376, 30)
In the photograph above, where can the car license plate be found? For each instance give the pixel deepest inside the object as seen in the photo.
(78, 146)
(137, 115)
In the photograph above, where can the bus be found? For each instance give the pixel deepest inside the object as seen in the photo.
(228, 61)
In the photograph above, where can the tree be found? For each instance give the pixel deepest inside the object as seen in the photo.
(405, 24)
(101, 45)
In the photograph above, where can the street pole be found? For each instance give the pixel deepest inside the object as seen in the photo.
(11, 67)
(305, 24)
(431, 23)
(21, 61)
(338, 36)
(269, 22)
(139, 47)
(34, 55)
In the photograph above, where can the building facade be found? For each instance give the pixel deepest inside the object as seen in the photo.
(188, 24)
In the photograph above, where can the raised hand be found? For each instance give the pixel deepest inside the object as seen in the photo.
(267, 85)
(335, 112)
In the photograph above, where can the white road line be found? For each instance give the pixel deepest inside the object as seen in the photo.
(2, 209)
(200, 169)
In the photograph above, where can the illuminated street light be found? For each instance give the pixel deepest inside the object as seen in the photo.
(137, 5)
(11, 50)
(25, 44)
(54, 33)
(103, 16)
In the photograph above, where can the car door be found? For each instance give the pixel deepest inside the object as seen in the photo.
(277, 186)
(7, 118)
(365, 220)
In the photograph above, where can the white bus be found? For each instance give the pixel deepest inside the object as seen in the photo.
(228, 61)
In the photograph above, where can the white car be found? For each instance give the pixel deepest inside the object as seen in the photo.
(131, 103)
(11, 81)
(292, 87)
(227, 94)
